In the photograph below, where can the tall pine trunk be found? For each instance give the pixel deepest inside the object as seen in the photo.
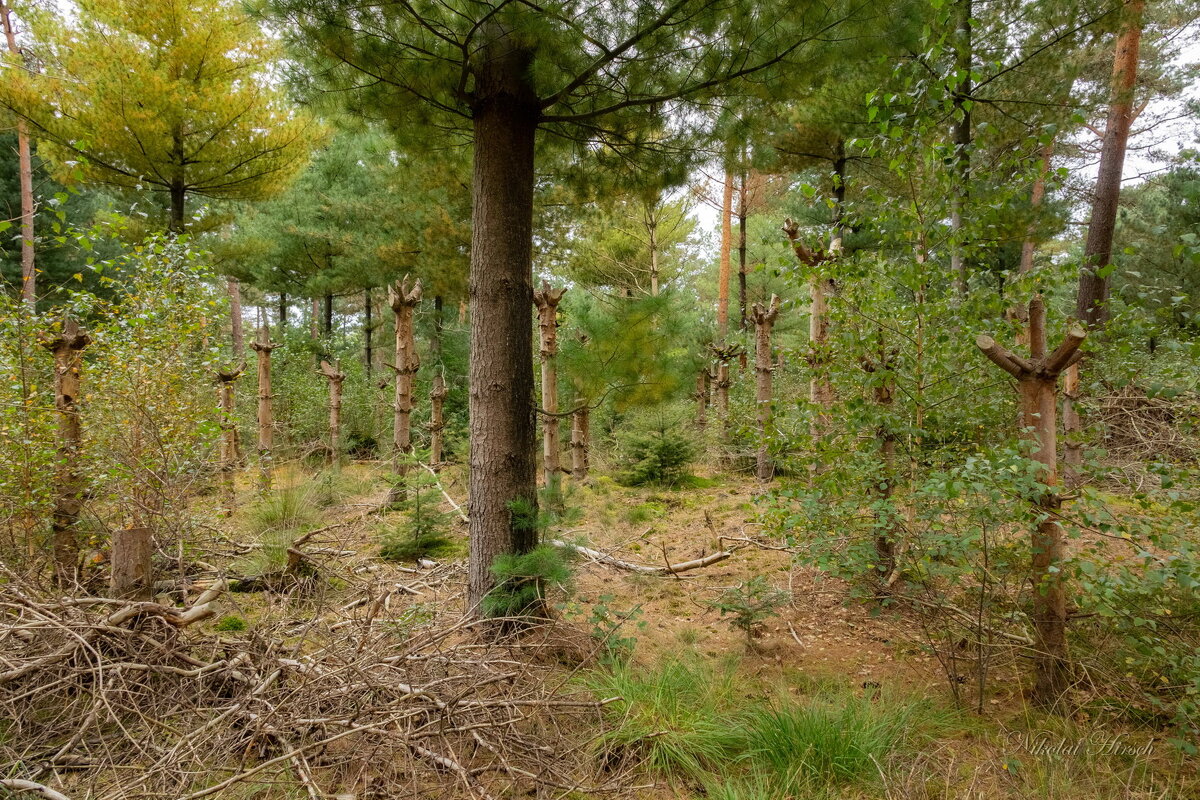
(403, 301)
(741, 215)
(724, 265)
(764, 367)
(503, 469)
(67, 349)
(266, 419)
(547, 301)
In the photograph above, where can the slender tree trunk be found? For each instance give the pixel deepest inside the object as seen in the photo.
(435, 346)
(1029, 246)
(726, 243)
(67, 349)
(335, 377)
(701, 395)
(403, 301)
(131, 575)
(437, 420)
(314, 328)
(764, 321)
(283, 311)
(503, 468)
(235, 317)
(327, 327)
(25, 173)
(266, 420)
(368, 333)
(580, 436)
(547, 301)
(229, 444)
(742, 267)
(962, 147)
(888, 530)
(1037, 380)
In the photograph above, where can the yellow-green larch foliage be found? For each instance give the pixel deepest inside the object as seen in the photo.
(172, 95)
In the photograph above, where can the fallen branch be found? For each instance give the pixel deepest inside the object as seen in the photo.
(17, 785)
(643, 569)
(457, 508)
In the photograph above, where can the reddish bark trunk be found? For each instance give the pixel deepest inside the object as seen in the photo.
(723, 267)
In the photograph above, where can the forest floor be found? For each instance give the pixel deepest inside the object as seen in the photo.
(823, 639)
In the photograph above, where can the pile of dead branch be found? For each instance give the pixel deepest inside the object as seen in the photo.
(1139, 427)
(114, 699)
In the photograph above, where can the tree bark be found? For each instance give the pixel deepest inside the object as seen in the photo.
(403, 301)
(888, 529)
(266, 419)
(435, 345)
(764, 321)
(283, 311)
(547, 301)
(962, 147)
(723, 268)
(1037, 379)
(580, 441)
(701, 395)
(327, 326)
(178, 197)
(131, 575)
(437, 420)
(741, 215)
(335, 377)
(368, 333)
(67, 350)
(1094, 283)
(503, 468)
(25, 177)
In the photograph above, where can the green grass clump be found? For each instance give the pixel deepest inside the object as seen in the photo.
(287, 510)
(231, 623)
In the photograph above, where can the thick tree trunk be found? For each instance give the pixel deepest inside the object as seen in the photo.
(403, 301)
(131, 575)
(67, 349)
(503, 466)
(962, 148)
(580, 436)
(25, 176)
(437, 420)
(266, 419)
(229, 447)
(368, 333)
(764, 321)
(335, 377)
(1092, 300)
(1037, 380)
(547, 301)
(724, 266)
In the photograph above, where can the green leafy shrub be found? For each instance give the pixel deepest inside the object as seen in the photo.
(751, 603)
(524, 580)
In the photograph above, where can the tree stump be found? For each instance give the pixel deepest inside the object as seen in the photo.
(131, 576)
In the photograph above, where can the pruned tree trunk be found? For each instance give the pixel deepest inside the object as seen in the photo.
(726, 246)
(67, 350)
(25, 178)
(701, 395)
(229, 448)
(266, 419)
(503, 467)
(404, 301)
(547, 301)
(335, 376)
(131, 576)
(580, 435)
(1037, 379)
(437, 420)
(764, 321)
(723, 354)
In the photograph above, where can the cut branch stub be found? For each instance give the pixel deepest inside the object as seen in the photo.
(807, 256)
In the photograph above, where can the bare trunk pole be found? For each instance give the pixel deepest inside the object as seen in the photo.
(701, 395)
(335, 377)
(67, 349)
(131, 577)
(25, 171)
(229, 448)
(547, 300)
(580, 435)
(1037, 379)
(962, 148)
(743, 199)
(437, 420)
(403, 301)
(724, 266)
(266, 420)
(724, 354)
(764, 321)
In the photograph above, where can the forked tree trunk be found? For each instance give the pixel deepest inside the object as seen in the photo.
(335, 377)
(67, 349)
(503, 432)
(1037, 379)
(547, 301)
(437, 420)
(580, 435)
(131, 576)
(403, 301)
(229, 449)
(266, 419)
(764, 321)
(25, 177)
(726, 246)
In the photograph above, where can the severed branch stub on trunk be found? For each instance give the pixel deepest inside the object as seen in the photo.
(1037, 383)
